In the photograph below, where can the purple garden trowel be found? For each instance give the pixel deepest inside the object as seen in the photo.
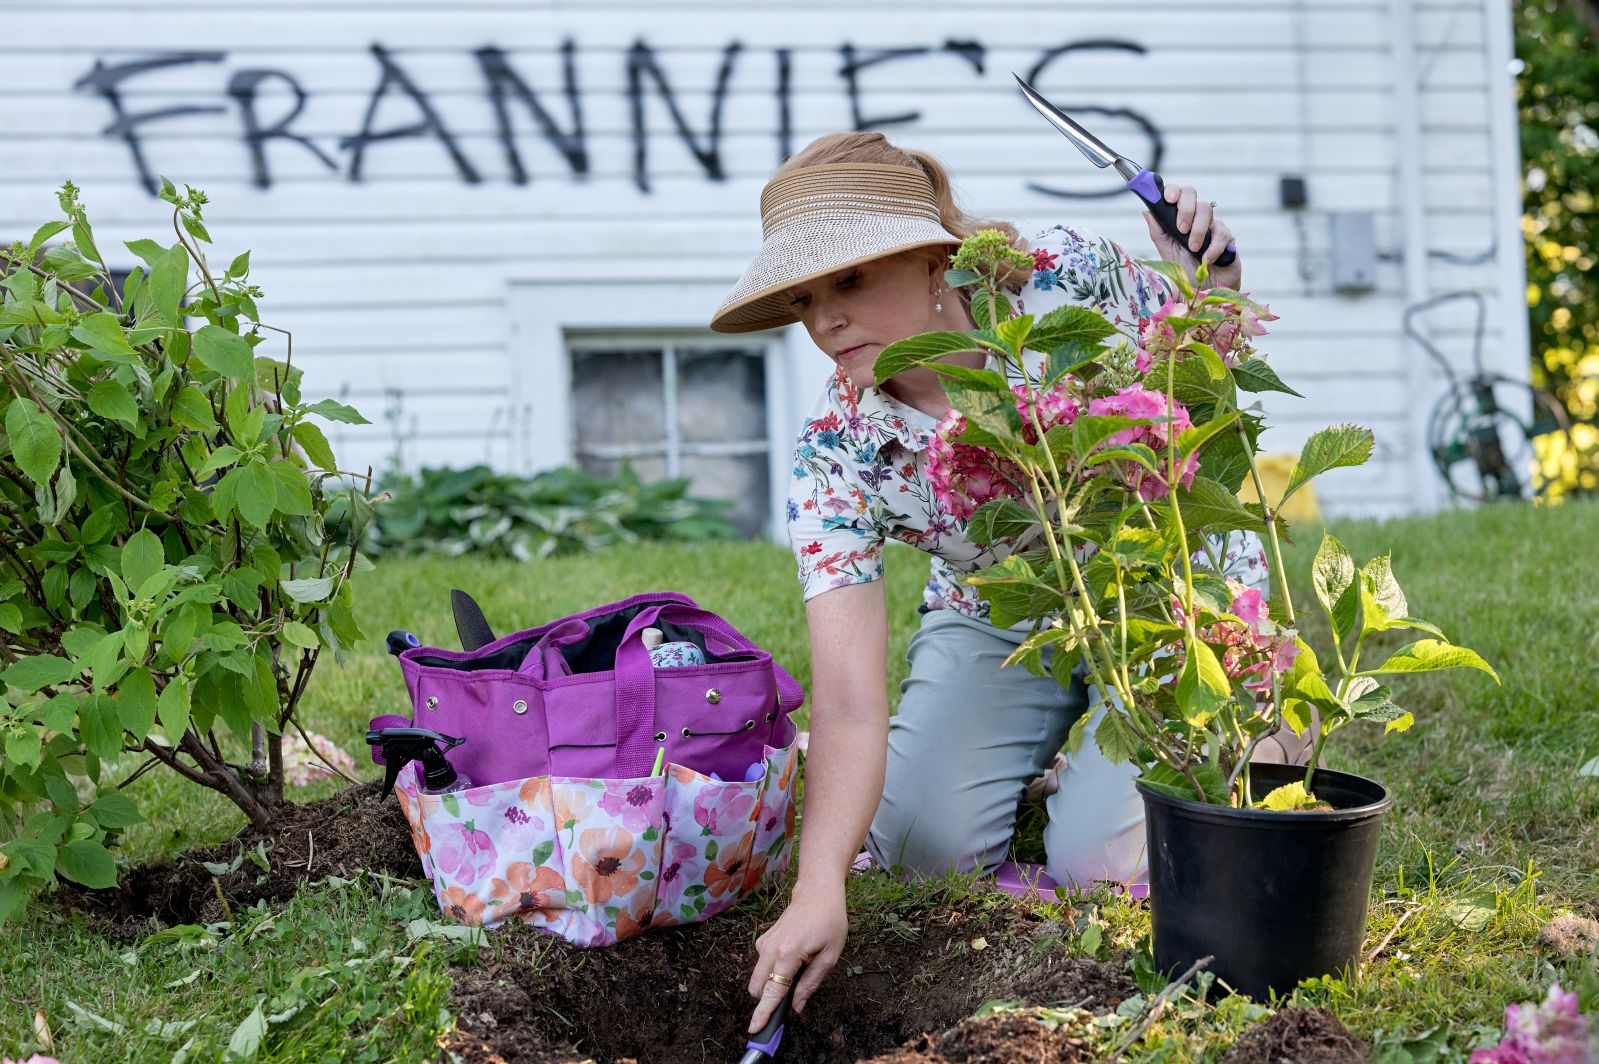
(1145, 183)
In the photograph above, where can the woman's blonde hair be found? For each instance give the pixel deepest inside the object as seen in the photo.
(868, 146)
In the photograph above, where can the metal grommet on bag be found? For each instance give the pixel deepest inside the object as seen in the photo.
(432, 702)
(519, 706)
(713, 696)
(660, 736)
(748, 725)
(686, 734)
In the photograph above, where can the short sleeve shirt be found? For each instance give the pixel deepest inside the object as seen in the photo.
(860, 462)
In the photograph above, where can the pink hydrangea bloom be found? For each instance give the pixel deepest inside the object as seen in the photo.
(301, 765)
(1155, 335)
(1152, 486)
(1249, 606)
(964, 477)
(1248, 653)
(1057, 406)
(1553, 1032)
(1139, 402)
(1284, 656)
(1231, 337)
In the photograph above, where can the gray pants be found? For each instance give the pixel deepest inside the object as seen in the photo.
(968, 737)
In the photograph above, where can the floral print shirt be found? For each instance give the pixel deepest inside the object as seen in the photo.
(860, 462)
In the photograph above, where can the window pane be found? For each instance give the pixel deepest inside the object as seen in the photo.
(721, 394)
(617, 397)
(744, 479)
(649, 468)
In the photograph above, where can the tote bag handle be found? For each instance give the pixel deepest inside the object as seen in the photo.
(635, 682)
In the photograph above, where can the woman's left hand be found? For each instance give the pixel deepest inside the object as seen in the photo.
(1195, 217)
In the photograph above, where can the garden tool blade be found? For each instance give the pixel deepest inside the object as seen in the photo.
(470, 625)
(1097, 151)
(1145, 184)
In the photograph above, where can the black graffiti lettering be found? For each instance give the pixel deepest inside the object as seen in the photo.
(504, 87)
(641, 61)
(1156, 147)
(850, 70)
(503, 81)
(430, 122)
(243, 87)
(971, 51)
(105, 80)
(785, 126)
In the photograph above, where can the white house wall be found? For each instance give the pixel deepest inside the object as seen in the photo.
(408, 289)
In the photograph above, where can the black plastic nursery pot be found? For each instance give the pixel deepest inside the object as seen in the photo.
(1273, 897)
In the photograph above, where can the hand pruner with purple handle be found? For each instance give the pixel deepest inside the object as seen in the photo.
(1146, 183)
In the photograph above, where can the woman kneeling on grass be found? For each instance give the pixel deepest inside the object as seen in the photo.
(858, 234)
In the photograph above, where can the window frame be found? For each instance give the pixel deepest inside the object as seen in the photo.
(550, 304)
(669, 344)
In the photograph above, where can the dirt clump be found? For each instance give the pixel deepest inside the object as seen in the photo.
(1009, 1039)
(338, 835)
(679, 993)
(1299, 1036)
(1569, 935)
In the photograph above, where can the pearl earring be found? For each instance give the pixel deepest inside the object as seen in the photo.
(938, 304)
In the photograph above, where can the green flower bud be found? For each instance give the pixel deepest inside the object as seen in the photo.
(988, 253)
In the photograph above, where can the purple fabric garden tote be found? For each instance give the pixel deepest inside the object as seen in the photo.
(578, 696)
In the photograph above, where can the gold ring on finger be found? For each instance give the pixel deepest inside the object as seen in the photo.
(784, 979)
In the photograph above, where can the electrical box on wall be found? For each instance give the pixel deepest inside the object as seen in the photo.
(1291, 190)
(1354, 251)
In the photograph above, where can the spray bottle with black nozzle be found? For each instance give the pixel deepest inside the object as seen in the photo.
(401, 746)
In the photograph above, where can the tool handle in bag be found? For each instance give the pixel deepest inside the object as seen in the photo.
(635, 682)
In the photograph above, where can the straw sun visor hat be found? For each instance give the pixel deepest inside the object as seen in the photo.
(820, 219)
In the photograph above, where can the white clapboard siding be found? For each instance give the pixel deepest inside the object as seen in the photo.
(752, 155)
(400, 288)
(335, 26)
(1249, 196)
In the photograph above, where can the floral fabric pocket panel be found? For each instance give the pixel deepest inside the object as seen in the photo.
(774, 823)
(598, 861)
(709, 840)
(609, 846)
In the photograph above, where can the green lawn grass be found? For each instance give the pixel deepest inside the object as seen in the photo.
(1492, 832)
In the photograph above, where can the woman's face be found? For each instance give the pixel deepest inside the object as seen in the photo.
(854, 313)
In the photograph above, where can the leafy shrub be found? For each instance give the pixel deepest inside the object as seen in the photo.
(560, 511)
(167, 569)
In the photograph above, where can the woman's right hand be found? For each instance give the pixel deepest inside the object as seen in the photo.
(811, 932)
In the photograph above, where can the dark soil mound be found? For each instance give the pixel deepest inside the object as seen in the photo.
(678, 994)
(1299, 1036)
(339, 835)
(903, 992)
(994, 1040)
